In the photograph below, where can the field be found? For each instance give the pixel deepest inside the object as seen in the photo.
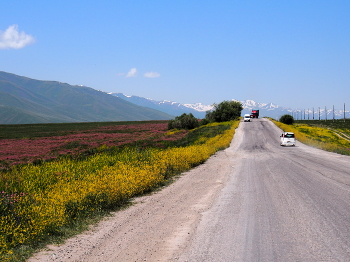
(333, 136)
(21, 144)
(56, 175)
(338, 125)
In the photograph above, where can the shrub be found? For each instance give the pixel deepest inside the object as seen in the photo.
(204, 122)
(185, 121)
(287, 119)
(225, 111)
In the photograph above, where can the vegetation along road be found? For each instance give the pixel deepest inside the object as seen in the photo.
(254, 201)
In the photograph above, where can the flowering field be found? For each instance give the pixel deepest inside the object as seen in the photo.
(37, 200)
(337, 124)
(60, 142)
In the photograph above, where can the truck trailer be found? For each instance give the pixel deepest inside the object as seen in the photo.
(254, 113)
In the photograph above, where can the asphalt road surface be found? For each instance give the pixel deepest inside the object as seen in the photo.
(255, 201)
(281, 204)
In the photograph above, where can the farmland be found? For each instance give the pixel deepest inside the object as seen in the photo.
(55, 175)
(21, 144)
(337, 125)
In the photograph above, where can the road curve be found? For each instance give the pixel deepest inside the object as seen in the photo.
(255, 201)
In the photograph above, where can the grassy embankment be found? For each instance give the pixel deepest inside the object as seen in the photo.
(43, 202)
(327, 135)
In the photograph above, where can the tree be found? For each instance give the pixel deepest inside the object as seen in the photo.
(185, 121)
(287, 119)
(225, 111)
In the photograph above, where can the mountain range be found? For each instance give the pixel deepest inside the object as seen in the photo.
(169, 107)
(24, 100)
(199, 109)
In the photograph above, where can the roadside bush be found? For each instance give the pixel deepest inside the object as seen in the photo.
(225, 111)
(287, 119)
(185, 121)
(204, 122)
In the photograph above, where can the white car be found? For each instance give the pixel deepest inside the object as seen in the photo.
(287, 139)
(246, 118)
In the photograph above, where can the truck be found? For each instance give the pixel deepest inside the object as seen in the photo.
(254, 113)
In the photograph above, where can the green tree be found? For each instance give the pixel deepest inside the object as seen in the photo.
(225, 111)
(287, 119)
(185, 121)
(204, 121)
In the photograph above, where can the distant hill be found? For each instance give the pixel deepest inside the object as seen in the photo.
(24, 100)
(172, 108)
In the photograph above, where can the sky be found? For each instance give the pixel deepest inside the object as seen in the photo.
(294, 54)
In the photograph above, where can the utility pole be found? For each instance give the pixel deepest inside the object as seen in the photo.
(319, 114)
(313, 113)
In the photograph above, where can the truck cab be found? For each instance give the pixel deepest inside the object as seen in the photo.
(255, 113)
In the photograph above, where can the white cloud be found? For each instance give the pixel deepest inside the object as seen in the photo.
(152, 74)
(132, 72)
(12, 38)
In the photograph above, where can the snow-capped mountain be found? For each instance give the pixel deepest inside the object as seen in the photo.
(169, 107)
(250, 104)
(199, 109)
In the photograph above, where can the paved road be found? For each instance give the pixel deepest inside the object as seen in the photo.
(280, 204)
(255, 201)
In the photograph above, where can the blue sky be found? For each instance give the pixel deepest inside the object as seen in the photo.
(292, 53)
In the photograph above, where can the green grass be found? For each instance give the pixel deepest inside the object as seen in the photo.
(337, 124)
(201, 133)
